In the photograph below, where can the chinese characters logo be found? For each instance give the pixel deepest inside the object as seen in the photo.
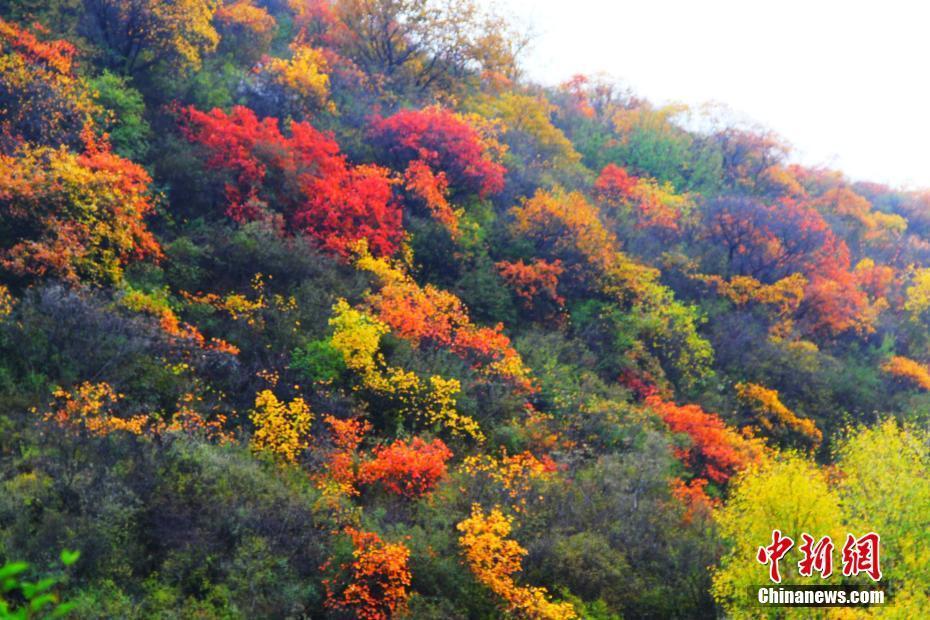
(859, 555)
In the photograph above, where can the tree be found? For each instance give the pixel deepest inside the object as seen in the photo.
(716, 452)
(770, 240)
(426, 45)
(493, 559)
(409, 469)
(767, 497)
(653, 205)
(69, 207)
(461, 147)
(280, 428)
(75, 216)
(302, 176)
(357, 337)
(766, 410)
(430, 316)
(135, 35)
(883, 488)
(536, 283)
(42, 100)
(374, 584)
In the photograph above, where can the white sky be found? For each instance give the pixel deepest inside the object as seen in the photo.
(846, 83)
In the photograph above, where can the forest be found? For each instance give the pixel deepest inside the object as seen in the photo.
(322, 309)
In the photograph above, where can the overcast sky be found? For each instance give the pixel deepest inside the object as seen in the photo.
(845, 83)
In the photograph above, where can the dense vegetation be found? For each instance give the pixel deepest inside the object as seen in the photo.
(319, 309)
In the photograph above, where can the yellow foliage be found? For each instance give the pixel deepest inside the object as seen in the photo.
(548, 214)
(531, 116)
(280, 428)
(774, 416)
(6, 301)
(515, 474)
(788, 493)
(90, 407)
(659, 120)
(494, 558)
(357, 336)
(917, 295)
(305, 73)
(883, 487)
(784, 296)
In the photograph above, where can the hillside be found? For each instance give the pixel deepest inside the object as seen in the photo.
(316, 309)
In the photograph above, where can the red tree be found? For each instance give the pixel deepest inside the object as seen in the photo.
(447, 142)
(717, 452)
(303, 176)
(409, 469)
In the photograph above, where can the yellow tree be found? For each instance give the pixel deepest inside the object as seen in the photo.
(431, 44)
(282, 429)
(137, 34)
(787, 493)
(493, 559)
(885, 488)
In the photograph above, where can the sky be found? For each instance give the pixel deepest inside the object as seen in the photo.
(845, 83)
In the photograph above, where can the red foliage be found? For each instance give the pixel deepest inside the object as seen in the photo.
(641, 384)
(539, 279)
(717, 452)
(771, 240)
(445, 141)
(408, 469)
(304, 176)
(614, 183)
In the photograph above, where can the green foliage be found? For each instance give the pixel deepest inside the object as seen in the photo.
(124, 117)
(658, 287)
(39, 599)
(318, 360)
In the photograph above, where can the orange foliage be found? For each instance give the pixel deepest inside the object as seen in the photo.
(693, 497)
(532, 281)
(85, 213)
(377, 579)
(42, 100)
(411, 470)
(432, 190)
(93, 408)
(566, 226)
(905, 368)
(72, 209)
(171, 324)
(346, 436)
(717, 452)
(428, 315)
(769, 241)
